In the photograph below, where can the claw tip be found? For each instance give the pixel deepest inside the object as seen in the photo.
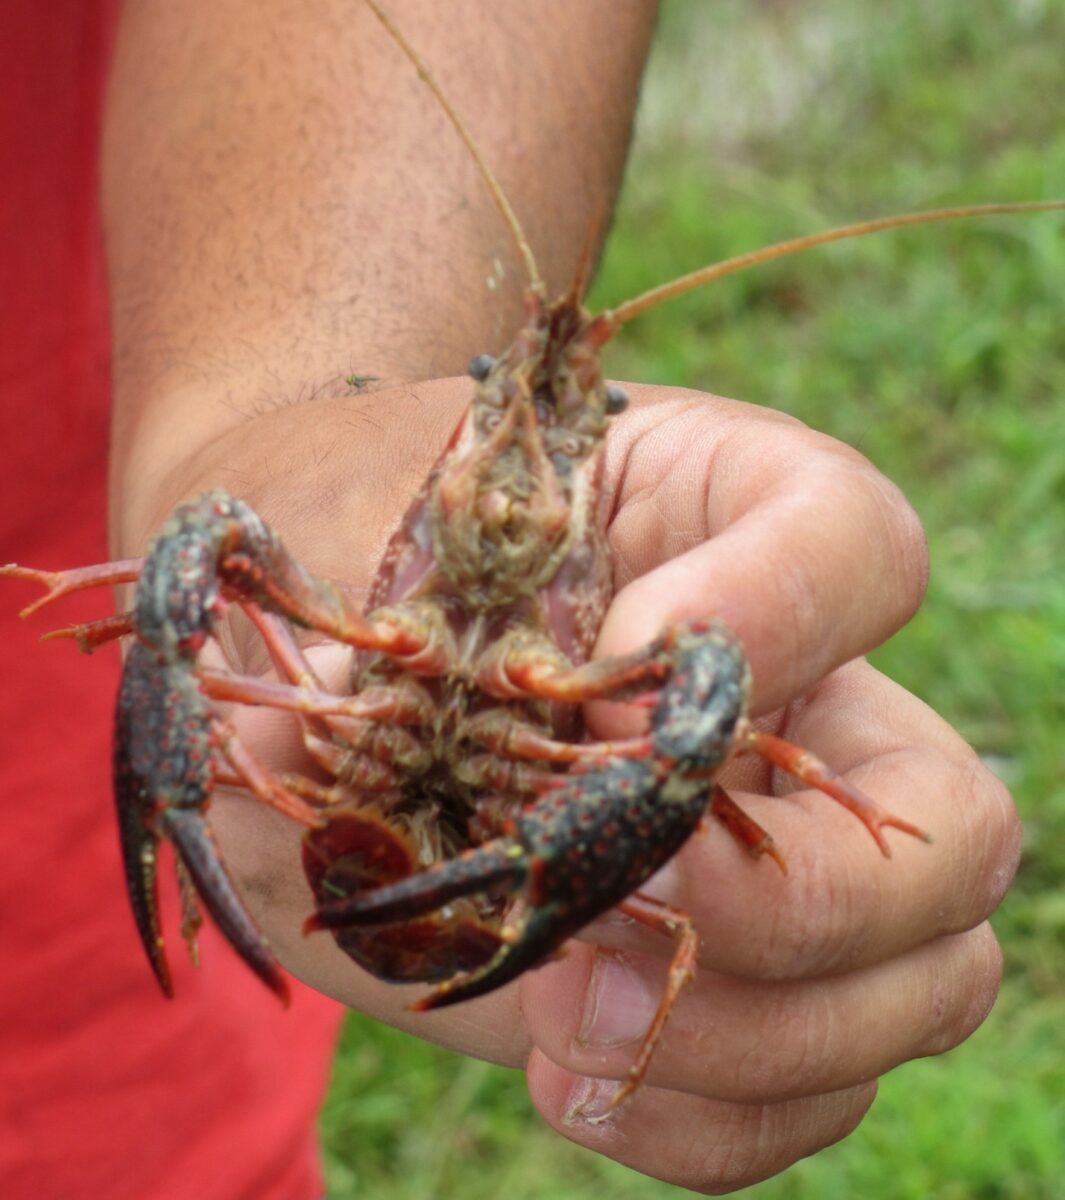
(279, 986)
(429, 1002)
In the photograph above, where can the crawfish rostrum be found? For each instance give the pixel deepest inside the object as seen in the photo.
(469, 827)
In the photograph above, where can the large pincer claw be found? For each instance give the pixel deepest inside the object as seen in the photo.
(163, 778)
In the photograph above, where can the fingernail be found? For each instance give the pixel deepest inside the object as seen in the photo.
(589, 1102)
(619, 1005)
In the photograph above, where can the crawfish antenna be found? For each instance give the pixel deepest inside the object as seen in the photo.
(494, 186)
(583, 273)
(686, 283)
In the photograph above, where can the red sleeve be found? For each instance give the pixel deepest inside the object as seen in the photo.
(107, 1091)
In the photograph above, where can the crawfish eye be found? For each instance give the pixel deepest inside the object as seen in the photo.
(481, 366)
(571, 446)
(491, 421)
(616, 400)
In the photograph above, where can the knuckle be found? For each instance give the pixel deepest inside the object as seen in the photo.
(905, 543)
(821, 929)
(749, 1148)
(793, 1055)
(975, 982)
(991, 853)
(755, 1142)
(1003, 835)
(911, 549)
(879, 510)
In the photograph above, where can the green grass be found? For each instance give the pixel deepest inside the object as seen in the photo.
(938, 353)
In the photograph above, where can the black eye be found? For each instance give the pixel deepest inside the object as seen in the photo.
(481, 366)
(616, 400)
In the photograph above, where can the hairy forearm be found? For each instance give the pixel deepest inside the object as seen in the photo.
(285, 204)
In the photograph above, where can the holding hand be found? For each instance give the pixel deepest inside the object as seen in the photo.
(811, 984)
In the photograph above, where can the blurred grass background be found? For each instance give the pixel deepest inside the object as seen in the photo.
(940, 354)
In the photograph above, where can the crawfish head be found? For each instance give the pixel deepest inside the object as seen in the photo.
(520, 484)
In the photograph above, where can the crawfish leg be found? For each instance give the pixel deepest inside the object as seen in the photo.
(375, 704)
(676, 924)
(76, 579)
(220, 543)
(529, 664)
(263, 784)
(744, 829)
(811, 770)
(505, 735)
(91, 635)
(289, 660)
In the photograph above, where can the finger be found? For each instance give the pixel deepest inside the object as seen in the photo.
(704, 1145)
(793, 539)
(750, 1042)
(842, 904)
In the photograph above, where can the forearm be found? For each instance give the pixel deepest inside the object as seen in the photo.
(285, 204)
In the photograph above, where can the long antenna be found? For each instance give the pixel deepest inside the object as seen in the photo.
(498, 195)
(686, 283)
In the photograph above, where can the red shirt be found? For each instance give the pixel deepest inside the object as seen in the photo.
(107, 1090)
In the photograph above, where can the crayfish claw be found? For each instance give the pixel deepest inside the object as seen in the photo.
(140, 853)
(164, 735)
(497, 961)
(191, 917)
(194, 842)
(539, 937)
(472, 871)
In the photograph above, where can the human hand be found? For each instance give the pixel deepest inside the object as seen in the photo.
(810, 985)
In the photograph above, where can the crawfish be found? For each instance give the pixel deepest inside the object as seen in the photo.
(468, 830)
